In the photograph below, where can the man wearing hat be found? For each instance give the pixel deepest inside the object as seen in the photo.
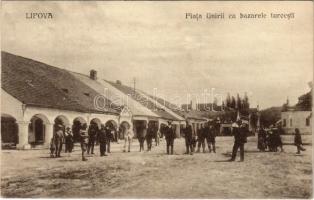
(239, 141)
(188, 132)
(68, 140)
(92, 133)
(211, 139)
(169, 136)
(102, 139)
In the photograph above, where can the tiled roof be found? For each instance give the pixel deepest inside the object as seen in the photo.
(174, 108)
(38, 84)
(119, 98)
(143, 101)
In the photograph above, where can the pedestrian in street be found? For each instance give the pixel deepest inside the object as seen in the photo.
(109, 136)
(298, 141)
(128, 137)
(84, 140)
(261, 139)
(169, 136)
(277, 140)
(141, 135)
(188, 132)
(92, 133)
(271, 140)
(149, 136)
(211, 139)
(58, 140)
(239, 140)
(201, 139)
(68, 140)
(102, 139)
(116, 135)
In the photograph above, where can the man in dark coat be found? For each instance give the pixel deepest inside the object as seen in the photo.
(239, 140)
(92, 134)
(109, 136)
(68, 140)
(298, 141)
(261, 139)
(149, 136)
(201, 139)
(277, 139)
(211, 138)
(169, 136)
(188, 132)
(102, 139)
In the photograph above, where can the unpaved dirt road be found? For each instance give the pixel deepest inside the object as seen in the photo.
(156, 175)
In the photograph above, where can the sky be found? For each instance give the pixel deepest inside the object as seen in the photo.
(153, 42)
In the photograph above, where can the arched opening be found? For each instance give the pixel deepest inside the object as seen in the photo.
(124, 126)
(94, 126)
(95, 122)
(113, 126)
(9, 131)
(37, 129)
(77, 124)
(60, 122)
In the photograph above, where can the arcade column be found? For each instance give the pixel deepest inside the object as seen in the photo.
(23, 135)
(178, 135)
(48, 133)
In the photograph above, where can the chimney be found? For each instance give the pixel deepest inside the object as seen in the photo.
(118, 82)
(93, 74)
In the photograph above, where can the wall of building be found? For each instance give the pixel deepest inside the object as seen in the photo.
(23, 115)
(296, 119)
(11, 106)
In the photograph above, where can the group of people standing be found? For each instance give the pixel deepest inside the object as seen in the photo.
(269, 139)
(88, 137)
(59, 138)
(206, 132)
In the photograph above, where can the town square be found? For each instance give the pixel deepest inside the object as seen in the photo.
(135, 100)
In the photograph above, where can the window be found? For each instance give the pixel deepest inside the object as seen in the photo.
(284, 123)
(308, 121)
(290, 122)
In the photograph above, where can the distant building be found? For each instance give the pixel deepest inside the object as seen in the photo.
(298, 116)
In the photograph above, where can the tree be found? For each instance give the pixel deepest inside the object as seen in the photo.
(238, 103)
(246, 103)
(228, 100)
(223, 106)
(215, 104)
(233, 102)
(270, 116)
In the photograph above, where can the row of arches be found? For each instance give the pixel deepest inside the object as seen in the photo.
(40, 129)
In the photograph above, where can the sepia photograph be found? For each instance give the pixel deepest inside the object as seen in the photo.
(156, 99)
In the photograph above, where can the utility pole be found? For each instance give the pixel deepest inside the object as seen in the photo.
(134, 82)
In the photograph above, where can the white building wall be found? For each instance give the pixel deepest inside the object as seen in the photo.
(298, 119)
(23, 115)
(11, 106)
